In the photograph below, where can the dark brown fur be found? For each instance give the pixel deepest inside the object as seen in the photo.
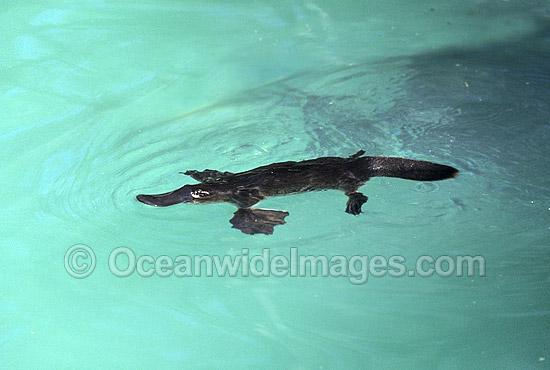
(245, 189)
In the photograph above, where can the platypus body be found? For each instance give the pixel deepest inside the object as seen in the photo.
(245, 189)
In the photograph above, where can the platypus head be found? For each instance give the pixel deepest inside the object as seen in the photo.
(186, 194)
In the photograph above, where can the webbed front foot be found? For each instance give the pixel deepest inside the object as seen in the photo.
(355, 201)
(357, 155)
(257, 221)
(207, 175)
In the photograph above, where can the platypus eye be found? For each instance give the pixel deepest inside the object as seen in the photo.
(199, 194)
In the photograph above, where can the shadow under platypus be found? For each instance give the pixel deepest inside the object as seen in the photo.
(245, 189)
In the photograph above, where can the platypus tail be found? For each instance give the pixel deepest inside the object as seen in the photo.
(409, 169)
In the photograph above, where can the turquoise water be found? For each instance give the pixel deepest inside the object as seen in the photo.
(102, 100)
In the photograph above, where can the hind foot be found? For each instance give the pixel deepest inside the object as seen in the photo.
(355, 201)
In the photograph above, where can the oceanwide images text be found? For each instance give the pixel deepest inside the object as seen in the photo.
(80, 262)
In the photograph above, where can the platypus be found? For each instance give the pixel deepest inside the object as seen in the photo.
(245, 189)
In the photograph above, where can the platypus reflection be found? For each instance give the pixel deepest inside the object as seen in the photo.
(245, 189)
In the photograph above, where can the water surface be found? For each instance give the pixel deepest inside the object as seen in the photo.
(103, 100)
